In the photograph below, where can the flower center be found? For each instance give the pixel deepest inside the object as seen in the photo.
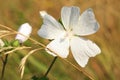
(69, 34)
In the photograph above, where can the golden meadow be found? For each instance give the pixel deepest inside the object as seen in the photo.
(105, 66)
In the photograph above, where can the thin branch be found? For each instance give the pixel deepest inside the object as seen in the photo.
(50, 66)
(4, 66)
(2, 59)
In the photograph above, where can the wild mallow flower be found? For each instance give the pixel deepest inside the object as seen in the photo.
(68, 35)
(23, 32)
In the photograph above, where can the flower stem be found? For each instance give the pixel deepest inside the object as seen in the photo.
(4, 65)
(50, 66)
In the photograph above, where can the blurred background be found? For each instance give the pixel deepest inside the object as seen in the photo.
(105, 66)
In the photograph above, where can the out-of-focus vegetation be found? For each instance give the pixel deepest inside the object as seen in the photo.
(105, 66)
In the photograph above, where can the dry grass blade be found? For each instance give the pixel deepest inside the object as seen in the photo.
(4, 31)
(7, 34)
(6, 48)
(81, 70)
(17, 48)
(6, 27)
(23, 61)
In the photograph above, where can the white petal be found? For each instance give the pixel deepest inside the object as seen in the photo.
(59, 46)
(87, 24)
(1, 43)
(70, 16)
(82, 49)
(50, 28)
(26, 30)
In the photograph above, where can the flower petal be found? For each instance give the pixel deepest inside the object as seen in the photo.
(60, 46)
(24, 29)
(70, 16)
(87, 24)
(50, 28)
(1, 43)
(82, 49)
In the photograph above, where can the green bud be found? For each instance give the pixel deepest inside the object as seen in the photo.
(15, 43)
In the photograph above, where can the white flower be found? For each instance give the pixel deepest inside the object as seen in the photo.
(68, 35)
(26, 30)
(1, 43)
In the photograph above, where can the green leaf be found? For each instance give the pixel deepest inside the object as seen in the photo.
(43, 78)
(35, 78)
(6, 43)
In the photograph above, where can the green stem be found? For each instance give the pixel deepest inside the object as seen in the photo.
(50, 66)
(4, 65)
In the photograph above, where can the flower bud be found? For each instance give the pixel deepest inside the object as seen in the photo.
(24, 32)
